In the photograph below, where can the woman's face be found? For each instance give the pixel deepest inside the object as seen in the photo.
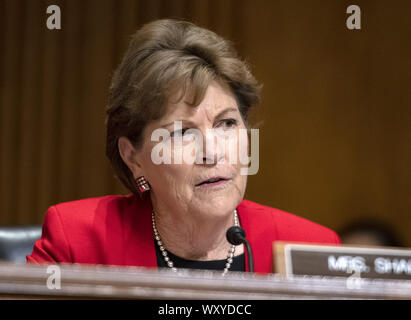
(186, 186)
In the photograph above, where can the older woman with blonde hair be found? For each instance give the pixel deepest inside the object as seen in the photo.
(186, 81)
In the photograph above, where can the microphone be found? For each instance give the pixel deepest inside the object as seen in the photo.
(236, 235)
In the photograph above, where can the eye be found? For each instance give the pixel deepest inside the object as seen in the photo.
(178, 133)
(228, 124)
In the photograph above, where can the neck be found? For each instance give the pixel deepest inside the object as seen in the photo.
(192, 236)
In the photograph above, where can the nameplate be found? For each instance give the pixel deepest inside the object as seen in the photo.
(342, 261)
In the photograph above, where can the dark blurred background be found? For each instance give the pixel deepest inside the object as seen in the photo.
(335, 141)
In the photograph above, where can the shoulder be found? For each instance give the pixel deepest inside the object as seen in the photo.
(92, 205)
(82, 230)
(286, 226)
(93, 212)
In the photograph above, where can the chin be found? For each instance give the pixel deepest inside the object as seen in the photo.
(219, 207)
(215, 200)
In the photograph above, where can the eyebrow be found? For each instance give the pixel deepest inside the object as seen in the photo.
(219, 115)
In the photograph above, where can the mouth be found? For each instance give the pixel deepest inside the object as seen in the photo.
(214, 181)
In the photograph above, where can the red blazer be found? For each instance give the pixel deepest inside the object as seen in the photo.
(117, 230)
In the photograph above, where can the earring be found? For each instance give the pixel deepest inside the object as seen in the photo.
(142, 184)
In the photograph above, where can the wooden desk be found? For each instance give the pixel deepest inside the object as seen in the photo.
(82, 281)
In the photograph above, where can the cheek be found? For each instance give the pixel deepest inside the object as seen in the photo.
(242, 183)
(243, 146)
(169, 178)
(180, 174)
(168, 175)
(237, 149)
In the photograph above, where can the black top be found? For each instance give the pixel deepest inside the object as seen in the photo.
(238, 263)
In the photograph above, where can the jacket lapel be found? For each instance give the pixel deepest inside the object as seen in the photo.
(260, 233)
(142, 251)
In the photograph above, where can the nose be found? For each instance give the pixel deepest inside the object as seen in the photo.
(213, 150)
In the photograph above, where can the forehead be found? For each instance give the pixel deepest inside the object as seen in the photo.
(217, 98)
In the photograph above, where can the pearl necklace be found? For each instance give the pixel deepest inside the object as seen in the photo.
(170, 263)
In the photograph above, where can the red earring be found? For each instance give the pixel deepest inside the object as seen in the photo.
(142, 184)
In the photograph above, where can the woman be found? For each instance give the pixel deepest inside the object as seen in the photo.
(174, 74)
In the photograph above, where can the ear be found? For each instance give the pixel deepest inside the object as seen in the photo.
(130, 156)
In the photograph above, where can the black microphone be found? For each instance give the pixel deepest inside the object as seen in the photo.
(236, 235)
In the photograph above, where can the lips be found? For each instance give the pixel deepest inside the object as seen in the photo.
(212, 180)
